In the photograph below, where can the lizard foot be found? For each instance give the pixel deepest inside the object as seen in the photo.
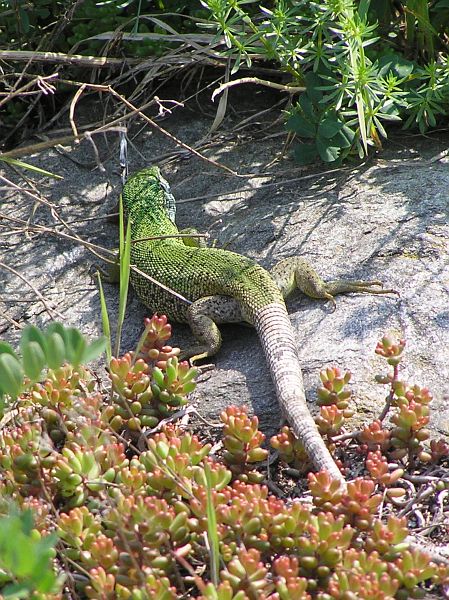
(295, 272)
(201, 369)
(344, 286)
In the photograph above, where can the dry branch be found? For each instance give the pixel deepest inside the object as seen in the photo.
(291, 89)
(104, 61)
(65, 59)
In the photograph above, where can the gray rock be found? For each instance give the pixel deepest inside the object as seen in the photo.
(384, 220)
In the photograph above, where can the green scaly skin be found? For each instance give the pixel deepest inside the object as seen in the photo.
(224, 287)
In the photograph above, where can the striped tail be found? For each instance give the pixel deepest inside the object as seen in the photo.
(276, 334)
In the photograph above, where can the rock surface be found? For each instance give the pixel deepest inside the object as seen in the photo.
(386, 220)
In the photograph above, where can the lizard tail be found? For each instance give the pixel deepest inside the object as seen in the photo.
(276, 334)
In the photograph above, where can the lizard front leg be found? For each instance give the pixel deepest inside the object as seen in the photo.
(194, 241)
(111, 272)
(296, 273)
(203, 316)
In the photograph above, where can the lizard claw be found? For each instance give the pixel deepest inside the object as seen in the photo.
(205, 368)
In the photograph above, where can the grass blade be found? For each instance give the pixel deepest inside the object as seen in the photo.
(24, 165)
(362, 122)
(125, 261)
(105, 320)
(212, 534)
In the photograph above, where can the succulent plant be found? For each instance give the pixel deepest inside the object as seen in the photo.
(131, 499)
(334, 389)
(242, 440)
(290, 449)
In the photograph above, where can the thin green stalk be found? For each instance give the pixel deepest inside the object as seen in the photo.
(212, 534)
(136, 24)
(105, 320)
(125, 261)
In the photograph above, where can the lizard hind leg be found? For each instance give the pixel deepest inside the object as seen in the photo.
(203, 316)
(296, 273)
(111, 272)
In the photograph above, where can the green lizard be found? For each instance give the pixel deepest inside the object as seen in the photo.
(225, 287)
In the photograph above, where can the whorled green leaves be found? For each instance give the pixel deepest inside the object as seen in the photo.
(354, 60)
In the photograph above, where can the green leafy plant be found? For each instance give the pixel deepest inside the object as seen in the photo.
(25, 558)
(42, 350)
(349, 57)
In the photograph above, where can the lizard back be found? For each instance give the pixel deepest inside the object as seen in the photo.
(193, 272)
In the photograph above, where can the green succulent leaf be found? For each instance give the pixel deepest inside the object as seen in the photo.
(76, 346)
(56, 352)
(33, 359)
(25, 557)
(6, 348)
(11, 375)
(158, 377)
(56, 327)
(33, 334)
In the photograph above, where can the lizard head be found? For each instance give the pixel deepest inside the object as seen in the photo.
(146, 174)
